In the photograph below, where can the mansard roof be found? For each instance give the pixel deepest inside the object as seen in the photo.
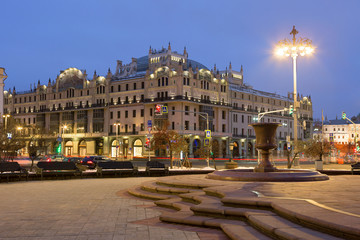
(339, 122)
(143, 64)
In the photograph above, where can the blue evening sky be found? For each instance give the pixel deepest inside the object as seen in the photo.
(40, 38)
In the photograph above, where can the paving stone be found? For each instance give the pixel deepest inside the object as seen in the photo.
(75, 209)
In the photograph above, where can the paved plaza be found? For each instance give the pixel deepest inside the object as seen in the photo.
(100, 208)
(78, 209)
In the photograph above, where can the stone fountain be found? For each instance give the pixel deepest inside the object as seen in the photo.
(265, 142)
(265, 170)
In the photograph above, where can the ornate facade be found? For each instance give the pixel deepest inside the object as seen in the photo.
(89, 107)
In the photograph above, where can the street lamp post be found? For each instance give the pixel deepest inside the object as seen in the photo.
(293, 48)
(62, 139)
(117, 127)
(231, 164)
(231, 146)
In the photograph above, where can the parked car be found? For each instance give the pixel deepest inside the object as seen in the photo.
(91, 161)
(73, 159)
(50, 158)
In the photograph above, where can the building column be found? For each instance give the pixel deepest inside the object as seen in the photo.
(90, 147)
(90, 120)
(107, 146)
(75, 147)
(191, 140)
(75, 122)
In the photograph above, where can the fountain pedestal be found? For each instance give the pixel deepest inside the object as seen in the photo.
(265, 142)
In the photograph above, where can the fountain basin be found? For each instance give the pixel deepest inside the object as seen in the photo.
(279, 175)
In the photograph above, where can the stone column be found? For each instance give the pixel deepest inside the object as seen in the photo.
(90, 147)
(90, 120)
(106, 146)
(75, 147)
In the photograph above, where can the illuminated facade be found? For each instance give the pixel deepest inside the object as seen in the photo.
(99, 110)
(341, 131)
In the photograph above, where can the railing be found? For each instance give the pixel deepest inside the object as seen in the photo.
(191, 99)
(239, 136)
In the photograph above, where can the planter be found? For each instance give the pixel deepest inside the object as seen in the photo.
(231, 165)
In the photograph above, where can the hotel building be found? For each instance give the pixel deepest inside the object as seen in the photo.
(94, 115)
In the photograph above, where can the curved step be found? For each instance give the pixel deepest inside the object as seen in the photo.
(154, 187)
(248, 201)
(233, 229)
(268, 222)
(279, 227)
(218, 210)
(174, 203)
(139, 192)
(229, 191)
(179, 182)
(312, 214)
(188, 218)
(198, 197)
(243, 215)
(307, 213)
(237, 232)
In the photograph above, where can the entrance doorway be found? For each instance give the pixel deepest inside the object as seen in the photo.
(138, 147)
(68, 148)
(82, 148)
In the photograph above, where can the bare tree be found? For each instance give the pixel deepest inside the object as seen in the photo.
(165, 139)
(317, 148)
(294, 152)
(10, 141)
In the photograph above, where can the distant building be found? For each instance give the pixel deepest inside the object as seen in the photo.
(343, 131)
(90, 107)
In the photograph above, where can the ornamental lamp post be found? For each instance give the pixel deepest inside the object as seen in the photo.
(231, 146)
(117, 127)
(293, 48)
(64, 127)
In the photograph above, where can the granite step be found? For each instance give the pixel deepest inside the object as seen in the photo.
(198, 197)
(233, 229)
(221, 211)
(139, 192)
(240, 214)
(174, 203)
(154, 187)
(278, 227)
(266, 223)
(238, 232)
(305, 213)
(179, 182)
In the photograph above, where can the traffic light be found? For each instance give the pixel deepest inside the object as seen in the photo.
(147, 143)
(291, 110)
(58, 149)
(343, 115)
(157, 109)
